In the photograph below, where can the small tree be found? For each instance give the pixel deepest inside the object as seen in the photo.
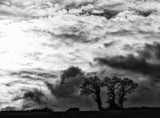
(125, 87)
(92, 86)
(112, 87)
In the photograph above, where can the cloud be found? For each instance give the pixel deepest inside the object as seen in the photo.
(132, 47)
(121, 32)
(16, 82)
(71, 72)
(53, 94)
(151, 51)
(146, 62)
(67, 91)
(67, 95)
(71, 79)
(74, 37)
(74, 34)
(145, 13)
(35, 74)
(5, 2)
(9, 108)
(78, 33)
(109, 44)
(145, 95)
(34, 96)
(107, 13)
(77, 3)
(50, 7)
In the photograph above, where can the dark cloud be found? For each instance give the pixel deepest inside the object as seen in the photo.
(68, 89)
(130, 62)
(145, 13)
(107, 13)
(145, 95)
(66, 92)
(109, 44)
(121, 32)
(71, 79)
(34, 95)
(81, 102)
(138, 64)
(79, 37)
(9, 108)
(71, 72)
(151, 51)
(67, 95)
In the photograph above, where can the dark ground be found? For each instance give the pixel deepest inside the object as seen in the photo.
(85, 114)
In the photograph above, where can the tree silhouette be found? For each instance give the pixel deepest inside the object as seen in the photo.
(117, 90)
(125, 87)
(112, 87)
(92, 86)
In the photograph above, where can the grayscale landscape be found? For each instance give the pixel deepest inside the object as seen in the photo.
(52, 50)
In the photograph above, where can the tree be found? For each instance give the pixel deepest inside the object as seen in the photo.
(112, 86)
(125, 87)
(117, 90)
(92, 86)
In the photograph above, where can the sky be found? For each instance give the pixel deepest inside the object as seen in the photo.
(41, 38)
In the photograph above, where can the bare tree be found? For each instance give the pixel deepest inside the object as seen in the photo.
(112, 86)
(92, 86)
(125, 87)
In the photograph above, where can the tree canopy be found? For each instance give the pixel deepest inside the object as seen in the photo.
(92, 86)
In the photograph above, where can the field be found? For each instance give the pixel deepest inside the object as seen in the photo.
(85, 114)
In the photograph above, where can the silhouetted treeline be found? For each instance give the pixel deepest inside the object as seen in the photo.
(117, 89)
(70, 110)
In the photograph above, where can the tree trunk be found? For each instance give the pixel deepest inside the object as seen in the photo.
(98, 100)
(122, 99)
(113, 103)
(121, 105)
